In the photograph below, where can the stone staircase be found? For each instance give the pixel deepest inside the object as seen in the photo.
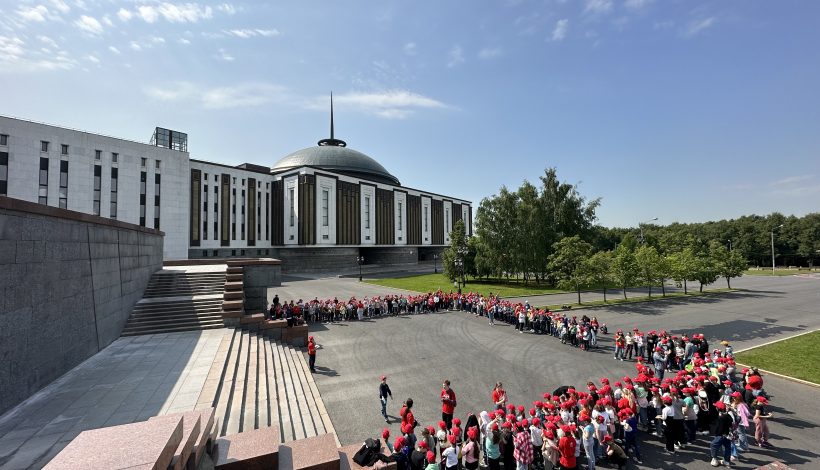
(177, 300)
(174, 283)
(258, 382)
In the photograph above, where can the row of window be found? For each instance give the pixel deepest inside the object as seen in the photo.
(45, 145)
(205, 206)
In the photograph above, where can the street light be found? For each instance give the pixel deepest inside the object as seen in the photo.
(779, 226)
(460, 267)
(640, 225)
(360, 260)
(435, 264)
(730, 244)
(462, 254)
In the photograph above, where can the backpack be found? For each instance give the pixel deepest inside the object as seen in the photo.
(368, 453)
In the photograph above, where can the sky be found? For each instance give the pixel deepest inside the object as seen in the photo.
(683, 110)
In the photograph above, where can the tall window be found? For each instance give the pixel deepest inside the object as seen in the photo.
(292, 207)
(98, 155)
(4, 172)
(258, 215)
(425, 218)
(156, 200)
(97, 188)
(366, 212)
(43, 146)
(43, 194)
(267, 213)
(399, 216)
(447, 218)
(143, 193)
(4, 139)
(233, 213)
(115, 157)
(114, 181)
(216, 210)
(63, 185)
(325, 207)
(242, 225)
(205, 210)
(63, 149)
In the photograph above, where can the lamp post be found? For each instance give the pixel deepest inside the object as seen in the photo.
(360, 260)
(462, 255)
(460, 266)
(779, 226)
(730, 244)
(435, 264)
(640, 225)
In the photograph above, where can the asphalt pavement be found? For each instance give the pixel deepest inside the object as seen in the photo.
(418, 352)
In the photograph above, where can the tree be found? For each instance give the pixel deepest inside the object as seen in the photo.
(625, 270)
(729, 264)
(567, 263)
(683, 266)
(649, 265)
(706, 268)
(598, 269)
(457, 250)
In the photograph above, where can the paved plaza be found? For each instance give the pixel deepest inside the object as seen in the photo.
(418, 352)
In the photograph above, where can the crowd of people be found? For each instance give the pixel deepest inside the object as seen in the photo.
(601, 422)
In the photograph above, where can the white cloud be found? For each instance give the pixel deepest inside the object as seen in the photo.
(226, 8)
(15, 59)
(183, 41)
(92, 59)
(48, 42)
(560, 30)
(124, 15)
(107, 20)
(222, 54)
(696, 27)
(147, 42)
(597, 6)
(135, 46)
(490, 53)
(637, 4)
(791, 180)
(114, 50)
(250, 33)
(410, 48)
(37, 13)
(11, 47)
(237, 96)
(455, 56)
(89, 24)
(174, 13)
(61, 5)
(392, 104)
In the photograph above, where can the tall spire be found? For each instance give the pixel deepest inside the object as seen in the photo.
(332, 141)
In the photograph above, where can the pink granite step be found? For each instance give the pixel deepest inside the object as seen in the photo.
(145, 445)
(257, 449)
(233, 295)
(190, 456)
(253, 318)
(312, 453)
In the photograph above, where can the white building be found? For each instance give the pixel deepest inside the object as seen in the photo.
(322, 206)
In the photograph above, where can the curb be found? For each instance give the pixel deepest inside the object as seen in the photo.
(782, 376)
(774, 341)
(654, 299)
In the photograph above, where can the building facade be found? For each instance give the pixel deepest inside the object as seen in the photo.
(317, 208)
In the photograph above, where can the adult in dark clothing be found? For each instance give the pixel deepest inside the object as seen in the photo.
(418, 458)
(398, 455)
(723, 426)
(384, 392)
(712, 395)
(507, 447)
(472, 421)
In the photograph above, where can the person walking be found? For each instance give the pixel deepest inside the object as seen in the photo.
(311, 353)
(761, 420)
(448, 403)
(384, 392)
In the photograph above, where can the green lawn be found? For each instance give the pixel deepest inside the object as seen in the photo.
(434, 282)
(797, 357)
(776, 272)
(618, 299)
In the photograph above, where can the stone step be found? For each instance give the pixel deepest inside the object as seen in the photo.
(233, 295)
(174, 329)
(173, 320)
(248, 419)
(282, 392)
(237, 400)
(253, 318)
(232, 304)
(192, 428)
(222, 400)
(258, 448)
(234, 277)
(312, 419)
(294, 413)
(263, 399)
(302, 416)
(182, 303)
(217, 308)
(233, 286)
(235, 270)
(313, 453)
(216, 313)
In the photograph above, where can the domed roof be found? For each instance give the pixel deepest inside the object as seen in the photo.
(339, 159)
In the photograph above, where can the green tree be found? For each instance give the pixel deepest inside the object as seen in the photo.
(706, 267)
(567, 263)
(598, 269)
(625, 269)
(683, 266)
(649, 265)
(457, 250)
(729, 264)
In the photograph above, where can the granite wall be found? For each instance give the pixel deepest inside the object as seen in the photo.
(68, 281)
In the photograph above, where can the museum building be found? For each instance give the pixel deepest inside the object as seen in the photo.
(319, 208)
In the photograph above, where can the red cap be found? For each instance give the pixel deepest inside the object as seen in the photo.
(431, 456)
(536, 422)
(452, 438)
(525, 423)
(720, 405)
(442, 425)
(383, 377)
(457, 421)
(762, 399)
(399, 443)
(385, 433)
(607, 438)
(422, 444)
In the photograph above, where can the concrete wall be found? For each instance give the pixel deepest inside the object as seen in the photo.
(68, 282)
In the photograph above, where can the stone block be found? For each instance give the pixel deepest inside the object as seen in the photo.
(192, 427)
(313, 453)
(148, 444)
(268, 324)
(254, 318)
(295, 335)
(257, 449)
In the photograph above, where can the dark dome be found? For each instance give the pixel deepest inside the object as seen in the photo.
(339, 159)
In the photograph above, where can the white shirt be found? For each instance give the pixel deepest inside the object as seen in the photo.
(451, 453)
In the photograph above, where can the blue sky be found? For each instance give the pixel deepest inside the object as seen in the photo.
(682, 110)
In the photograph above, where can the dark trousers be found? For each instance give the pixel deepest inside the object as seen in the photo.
(448, 420)
(312, 362)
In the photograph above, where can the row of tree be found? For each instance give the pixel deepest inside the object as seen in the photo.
(548, 234)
